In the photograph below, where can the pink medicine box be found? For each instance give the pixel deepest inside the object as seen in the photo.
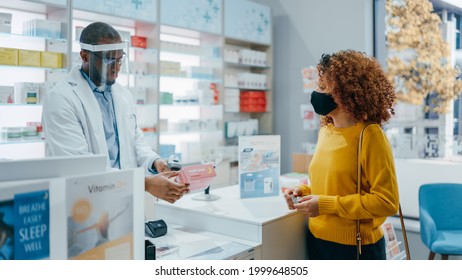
(197, 176)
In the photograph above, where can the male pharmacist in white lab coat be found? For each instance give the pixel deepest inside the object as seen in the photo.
(89, 113)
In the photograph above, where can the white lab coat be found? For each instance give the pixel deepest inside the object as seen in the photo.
(73, 123)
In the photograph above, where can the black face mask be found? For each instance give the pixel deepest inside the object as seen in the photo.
(323, 104)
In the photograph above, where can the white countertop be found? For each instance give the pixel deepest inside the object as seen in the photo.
(274, 231)
(258, 211)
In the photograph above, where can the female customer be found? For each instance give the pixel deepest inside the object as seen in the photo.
(352, 92)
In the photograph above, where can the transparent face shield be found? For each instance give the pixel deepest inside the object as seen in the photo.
(107, 63)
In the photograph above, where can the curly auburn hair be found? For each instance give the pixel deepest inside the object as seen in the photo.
(358, 85)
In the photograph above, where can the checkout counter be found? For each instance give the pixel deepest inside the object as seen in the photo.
(230, 227)
(278, 233)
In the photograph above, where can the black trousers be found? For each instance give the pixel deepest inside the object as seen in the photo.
(319, 249)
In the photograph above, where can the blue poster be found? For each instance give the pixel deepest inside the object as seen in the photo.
(141, 10)
(201, 15)
(6, 230)
(32, 225)
(248, 21)
(259, 165)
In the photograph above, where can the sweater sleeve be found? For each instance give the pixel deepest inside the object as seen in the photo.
(305, 189)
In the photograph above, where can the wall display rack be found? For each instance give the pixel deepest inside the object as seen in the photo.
(248, 59)
(190, 76)
(33, 56)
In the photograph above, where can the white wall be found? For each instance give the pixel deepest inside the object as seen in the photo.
(302, 31)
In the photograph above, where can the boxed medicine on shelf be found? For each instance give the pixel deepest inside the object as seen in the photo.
(42, 28)
(5, 22)
(8, 56)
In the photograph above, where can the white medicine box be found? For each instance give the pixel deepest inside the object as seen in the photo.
(5, 22)
(26, 93)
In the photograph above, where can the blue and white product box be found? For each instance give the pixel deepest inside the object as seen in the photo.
(166, 150)
(259, 165)
(5, 22)
(43, 28)
(27, 93)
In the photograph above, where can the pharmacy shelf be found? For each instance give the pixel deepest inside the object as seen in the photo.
(21, 115)
(21, 37)
(193, 124)
(197, 53)
(237, 51)
(19, 105)
(247, 88)
(212, 80)
(246, 66)
(15, 142)
(31, 67)
(186, 133)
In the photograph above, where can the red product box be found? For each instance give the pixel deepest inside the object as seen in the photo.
(198, 176)
(253, 101)
(138, 42)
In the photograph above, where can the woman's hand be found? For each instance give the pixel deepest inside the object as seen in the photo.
(163, 187)
(289, 193)
(308, 205)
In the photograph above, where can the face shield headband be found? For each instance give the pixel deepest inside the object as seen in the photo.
(104, 47)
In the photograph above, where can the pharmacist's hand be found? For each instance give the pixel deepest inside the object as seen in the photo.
(160, 165)
(308, 205)
(164, 187)
(289, 193)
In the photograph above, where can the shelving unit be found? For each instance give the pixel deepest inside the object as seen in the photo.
(247, 70)
(190, 83)
(178, 79)
(31, 66)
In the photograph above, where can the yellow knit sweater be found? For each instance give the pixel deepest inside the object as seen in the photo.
(333, 176)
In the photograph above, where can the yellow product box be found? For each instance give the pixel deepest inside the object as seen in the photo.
(8, 56)
(29, 58)
(52, 60)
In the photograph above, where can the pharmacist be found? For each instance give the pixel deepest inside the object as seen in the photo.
(90, 113)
